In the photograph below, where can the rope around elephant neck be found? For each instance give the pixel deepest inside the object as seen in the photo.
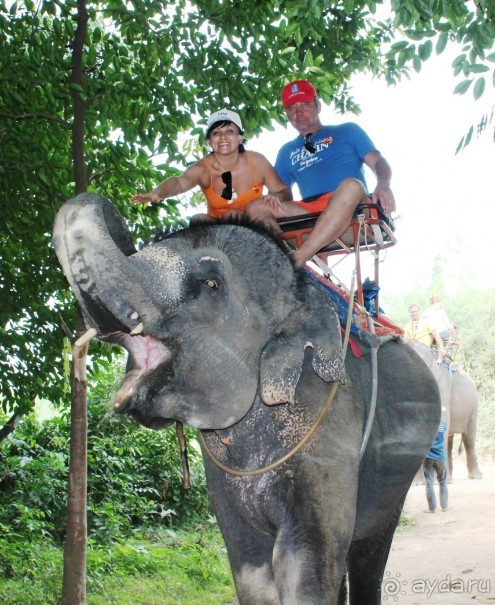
(277, 463)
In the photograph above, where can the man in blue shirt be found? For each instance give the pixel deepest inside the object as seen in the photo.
(435, 464)
(325, 162)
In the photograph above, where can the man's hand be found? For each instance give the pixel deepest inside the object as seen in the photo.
(141, 198)
(441, 355)
(383, 173)
(384, 195)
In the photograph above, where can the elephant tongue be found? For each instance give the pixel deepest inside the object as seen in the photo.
(146, 355)
(145, 352)
(148, 352)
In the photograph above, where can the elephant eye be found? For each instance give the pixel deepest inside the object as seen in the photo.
(211, 283)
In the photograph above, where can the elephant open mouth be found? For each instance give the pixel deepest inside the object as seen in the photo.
(148, 368)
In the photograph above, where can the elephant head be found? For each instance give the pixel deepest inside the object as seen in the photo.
(221, 313)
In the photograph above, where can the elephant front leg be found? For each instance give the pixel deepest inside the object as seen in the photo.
(255, 584)
(366, 564)
(302, 564)
(250, 555)
(290, 570)
(307, 568)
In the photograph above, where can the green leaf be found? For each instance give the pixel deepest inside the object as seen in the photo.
(459, 60)
(425, 50)
(403, 57)
(462, 87)
(288, 49)
(479, 88)
(396, 46)
(443, 38)
(478, 68)
(76, 87)
(348, 6)
(57, 27)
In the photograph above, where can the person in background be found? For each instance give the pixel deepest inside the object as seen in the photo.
(438, 319)
(435, 464)
(326, 163)
(229, 176)
(418, 329)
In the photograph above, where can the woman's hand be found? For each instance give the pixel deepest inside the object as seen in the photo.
(272, 201)
(141, 198)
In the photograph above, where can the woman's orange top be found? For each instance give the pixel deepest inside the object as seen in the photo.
(217, 205)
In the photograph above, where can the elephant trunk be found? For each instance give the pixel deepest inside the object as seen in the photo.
(95, 248)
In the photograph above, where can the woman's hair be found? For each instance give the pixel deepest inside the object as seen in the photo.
(242, 149)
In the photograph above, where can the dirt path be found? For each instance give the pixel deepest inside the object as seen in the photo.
(446, 558)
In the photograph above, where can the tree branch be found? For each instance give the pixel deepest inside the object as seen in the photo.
(34, 116)
(10, 425)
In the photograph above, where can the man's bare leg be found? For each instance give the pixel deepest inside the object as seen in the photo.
(333, 221)
(331, 224)
(266, 214)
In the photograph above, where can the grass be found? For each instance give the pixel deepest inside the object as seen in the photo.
(406, 521)
(171, 568)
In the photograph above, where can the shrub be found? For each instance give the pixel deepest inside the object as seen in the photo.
(134, 477)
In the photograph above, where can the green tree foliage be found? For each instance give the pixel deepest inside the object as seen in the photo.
(134, 479)
(472, 310)
(429, 25)
(474, 313)
(153, 70)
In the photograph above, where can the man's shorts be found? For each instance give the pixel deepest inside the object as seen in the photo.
(316, 205)
(319, 203)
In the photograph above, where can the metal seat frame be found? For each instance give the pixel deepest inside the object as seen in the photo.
(370, 230)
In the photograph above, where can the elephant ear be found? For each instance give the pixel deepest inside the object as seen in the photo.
(314, 323)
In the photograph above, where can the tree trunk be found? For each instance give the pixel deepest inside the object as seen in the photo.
(77, 83)
(74, 578)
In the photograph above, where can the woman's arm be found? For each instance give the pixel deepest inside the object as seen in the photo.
(175, 185)
(270, 178)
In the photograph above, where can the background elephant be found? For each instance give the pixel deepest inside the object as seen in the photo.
(460, 399)
(228, 338)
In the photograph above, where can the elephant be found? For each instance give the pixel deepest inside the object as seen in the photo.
(223, 334)
(459, 397)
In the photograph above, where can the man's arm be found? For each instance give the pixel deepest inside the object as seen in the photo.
(383, 173)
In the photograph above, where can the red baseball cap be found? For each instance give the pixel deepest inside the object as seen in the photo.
(300, 91)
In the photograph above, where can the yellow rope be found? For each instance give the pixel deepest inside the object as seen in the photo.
(287, 456)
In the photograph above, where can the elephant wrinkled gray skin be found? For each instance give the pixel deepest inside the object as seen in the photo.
(459, 397)
(236, 342)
